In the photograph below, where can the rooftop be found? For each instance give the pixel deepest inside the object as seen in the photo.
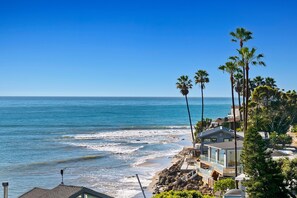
(62, 191)
(215, 130)
(226, 145)
(233, 192)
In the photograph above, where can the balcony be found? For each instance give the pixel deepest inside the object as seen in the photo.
(218, 166)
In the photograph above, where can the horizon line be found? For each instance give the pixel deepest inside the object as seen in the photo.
(118, 96)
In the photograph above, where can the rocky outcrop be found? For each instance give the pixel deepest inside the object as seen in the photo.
(174, 179)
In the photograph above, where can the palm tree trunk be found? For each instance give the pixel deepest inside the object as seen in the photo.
(239, 103)
(234, 122)
(243, 95)
(246, 96)
(189, 114)
(243, 99)
(202, 114)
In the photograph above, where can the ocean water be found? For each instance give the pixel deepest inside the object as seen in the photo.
(101, 142)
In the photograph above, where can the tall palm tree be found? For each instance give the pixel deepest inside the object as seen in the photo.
(249, 57)
(242, 35)
(201, 78)
(184, 84)
(238, 77)
(231, 69)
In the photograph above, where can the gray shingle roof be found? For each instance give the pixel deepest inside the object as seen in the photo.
(227, 145)
(214, 131)
(233, 192)
(37, 192)
(61, 191)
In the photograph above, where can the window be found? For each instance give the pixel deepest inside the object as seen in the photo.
(213, 139)
(213, 154)
(207, 140)
(221, 157)
(226, 139)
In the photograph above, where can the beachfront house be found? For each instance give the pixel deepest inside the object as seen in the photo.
(216, 135)
(64, 191)
(219, 161)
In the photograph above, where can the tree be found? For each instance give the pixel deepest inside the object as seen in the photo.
(184, 84)
(198, 126)
(256, 82)
(279, 139)
(201, 78)
(265, 178)
(231, 68)
(242, 35)
(270, 82)
(272, 109)
(289, 171)
(224, 184)
(182, 194)
(249, 57)
(238, 77)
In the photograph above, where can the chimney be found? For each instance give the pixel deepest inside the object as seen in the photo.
(5, 189)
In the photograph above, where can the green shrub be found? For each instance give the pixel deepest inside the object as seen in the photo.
(224, 184)
(182, 194)
(294, 129)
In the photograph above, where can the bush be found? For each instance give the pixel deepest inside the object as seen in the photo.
(279, 139)
(294, 129)
(181, 194)
(224, 184)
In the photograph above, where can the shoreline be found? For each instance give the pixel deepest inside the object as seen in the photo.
(177, 157)
(173, 178)
(162, 163)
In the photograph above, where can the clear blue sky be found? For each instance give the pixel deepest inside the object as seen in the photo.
(137, 48)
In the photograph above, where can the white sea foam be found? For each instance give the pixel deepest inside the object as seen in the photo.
(126, 193)
(155, 155)
(117, 148)
(141, 133)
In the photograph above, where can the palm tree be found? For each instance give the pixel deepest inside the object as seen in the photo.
(184, 84)
(270, 82)
(231, 69)
(202, 78)
(249, 57)
(238, 77)
(258, 81)
(242, 35)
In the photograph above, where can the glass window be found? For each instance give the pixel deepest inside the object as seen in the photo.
(231, 158)
(213, 139)
(213, 154)
(221, 157)
(226, 139)
(207, 140)
(89, 196)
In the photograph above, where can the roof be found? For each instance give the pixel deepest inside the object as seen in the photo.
(226, 145)
(233, 192)
(62, 191)
(264, 135)
(216, 130)
(277, 153)
(37, 192)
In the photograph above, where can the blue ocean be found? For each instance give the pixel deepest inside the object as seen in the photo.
(100, 142)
